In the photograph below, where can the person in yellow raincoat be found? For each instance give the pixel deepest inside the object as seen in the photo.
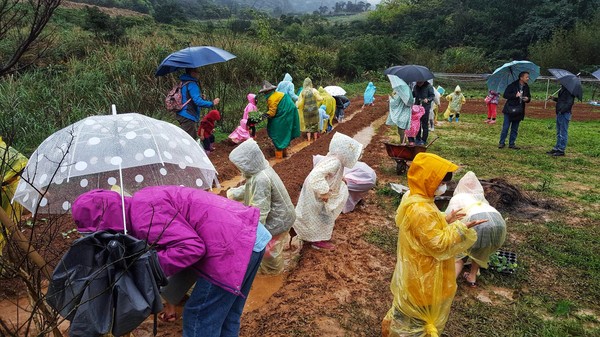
(308, 104)
(11, 164)
(424, 282)
(456, 101)
(329, 102)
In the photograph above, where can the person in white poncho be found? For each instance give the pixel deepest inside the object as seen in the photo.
(324, 192)
(469, 199)
(264, 190)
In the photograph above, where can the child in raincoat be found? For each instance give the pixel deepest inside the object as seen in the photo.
(265, 190)
(324, 193)
(323, 119)
(433, 111)
(205, 131)
(369, 96)
(456, 100)
(469, 198)
(491, 100)
(241, 133)
(308, 109)
(219, 241)
(423, 283)
(417, 111)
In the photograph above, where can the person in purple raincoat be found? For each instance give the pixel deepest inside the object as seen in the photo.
(220, 240)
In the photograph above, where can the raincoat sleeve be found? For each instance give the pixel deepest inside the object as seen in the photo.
(463, 100)
(318, 96)
(260, 195)
(236, 193)
(436, 237)
(318, 178)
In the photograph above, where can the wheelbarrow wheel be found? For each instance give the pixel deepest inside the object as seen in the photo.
(401, 167)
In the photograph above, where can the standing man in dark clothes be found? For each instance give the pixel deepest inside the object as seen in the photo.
(516, 94)
(564, 104)
(189, 116)
(423, 94)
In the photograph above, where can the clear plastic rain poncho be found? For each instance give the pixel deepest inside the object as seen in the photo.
(424, 281)
(315, 218)
(469, 196)
(286, 86)
(264, 190)
(359, 179)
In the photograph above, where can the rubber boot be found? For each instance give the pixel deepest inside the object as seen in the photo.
(278, 154)
(450, 119)
(456, 119)
(285, 153)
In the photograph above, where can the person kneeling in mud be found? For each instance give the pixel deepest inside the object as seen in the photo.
(265, 190)
(324, 193)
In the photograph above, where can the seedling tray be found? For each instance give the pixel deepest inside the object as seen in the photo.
(504, 262)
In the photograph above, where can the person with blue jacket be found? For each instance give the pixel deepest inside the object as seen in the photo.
(193, 100)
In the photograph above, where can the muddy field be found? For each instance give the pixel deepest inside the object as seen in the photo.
(343, 292)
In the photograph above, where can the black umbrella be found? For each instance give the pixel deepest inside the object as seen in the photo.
(106, 283)
(568, 80)
(410, 73)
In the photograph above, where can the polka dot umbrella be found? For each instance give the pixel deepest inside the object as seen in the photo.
(128, 150)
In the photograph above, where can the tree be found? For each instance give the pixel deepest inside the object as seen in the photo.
(21, 27)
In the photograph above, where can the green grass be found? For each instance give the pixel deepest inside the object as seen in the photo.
(556, 287)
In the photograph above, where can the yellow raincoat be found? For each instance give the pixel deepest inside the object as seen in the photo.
(329, 102)
(424, 282)
(456, 101)
(11, 164)
(308, 104)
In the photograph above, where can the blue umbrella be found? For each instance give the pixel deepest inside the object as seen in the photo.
(509, 72)
(410, 73)
(568, 80)
(596, 74)
(192, 57)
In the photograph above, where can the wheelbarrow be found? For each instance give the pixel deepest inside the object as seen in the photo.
(404, 153)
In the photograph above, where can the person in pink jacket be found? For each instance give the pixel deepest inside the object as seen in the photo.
(241, 133)
(221, 240)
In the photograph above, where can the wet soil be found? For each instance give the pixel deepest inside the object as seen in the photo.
(344, 292)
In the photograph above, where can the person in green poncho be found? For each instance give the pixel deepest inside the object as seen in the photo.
(283, 124)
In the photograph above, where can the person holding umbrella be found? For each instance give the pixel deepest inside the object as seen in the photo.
(570, 87)
(517, 95)
(189, 116)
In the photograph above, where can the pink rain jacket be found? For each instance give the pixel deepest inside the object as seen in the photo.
(189, 228)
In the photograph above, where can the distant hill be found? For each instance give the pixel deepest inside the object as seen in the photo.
(108, 10)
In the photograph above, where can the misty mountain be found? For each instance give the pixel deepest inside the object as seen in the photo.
(290, 6)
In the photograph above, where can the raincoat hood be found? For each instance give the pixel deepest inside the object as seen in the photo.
(323, 107)
(213, 115)
(251, 99)
(427, 172)
(248, 158)
(347, 150)
(307, 84)
(287, 77)
(457, 89)
(99, 210)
